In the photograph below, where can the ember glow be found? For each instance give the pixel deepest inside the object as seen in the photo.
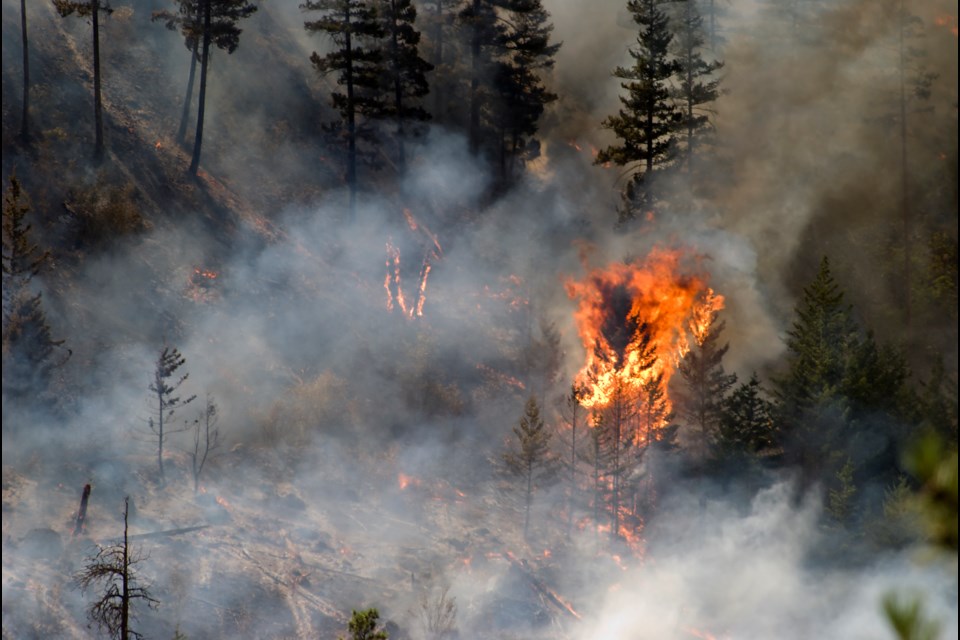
(621, 304)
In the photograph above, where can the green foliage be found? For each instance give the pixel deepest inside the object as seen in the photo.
(909, 620)
(746, 421)
(30, 354)
(529, 459)
(363, 626)
(646, 124)
(700, 400)
(934, 464)
(840, 500)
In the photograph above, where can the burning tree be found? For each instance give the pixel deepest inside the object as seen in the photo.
(114, 566)
(634, 319)
(163, 390)
(531, 460)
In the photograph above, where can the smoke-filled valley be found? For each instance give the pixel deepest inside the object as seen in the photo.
(555, 320)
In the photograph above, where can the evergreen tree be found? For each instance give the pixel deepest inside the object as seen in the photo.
(647, 122)
(405, 72)
(485, 33)
(115, 568)
(444, 47)
(356, 60)
(700, 400)
(518, 85)
(187, 21)
(746, 421)
(90, 9)
(530, 461)
(163, 388)
(218, 26)
(30, 354)
(363, 626)
(25, 118)
(698, 85)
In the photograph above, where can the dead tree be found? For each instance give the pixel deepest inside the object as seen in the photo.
(113, 567)
(206, 439)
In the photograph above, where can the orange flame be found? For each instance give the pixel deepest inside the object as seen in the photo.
(620, 305)
(404, 481)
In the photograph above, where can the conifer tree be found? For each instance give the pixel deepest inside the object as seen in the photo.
(186, 20)
(405, 72)
(356, 60)
(700, 400)
(698, 86)
(647, 122)
(530, 459)
(520, 93)
(746, 421)
(364, 625)
(91, 9)
(444, 46)
(484, 34)
(217, 20)
(30, 354)
(163, 389)
(25, 118)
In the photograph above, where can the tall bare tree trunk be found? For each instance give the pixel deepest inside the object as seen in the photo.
(475, 80)
(202, 98)
(185, 116)
(25, 121)
(97, 101)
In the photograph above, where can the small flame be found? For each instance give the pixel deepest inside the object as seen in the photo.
(404, 481)
(223, 503)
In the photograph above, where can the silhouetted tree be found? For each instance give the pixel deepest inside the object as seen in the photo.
(647, 123)
(25, 118)
(444, 49)
(114, 569)
(356, 60)
(187, 21)
(746, 422)
(405, 71)
(530, 459)
(163, 389)
(520, 95)
(484, 33)
(91, 9)
(218, 26)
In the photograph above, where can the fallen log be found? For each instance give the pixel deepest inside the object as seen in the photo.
(552, 596)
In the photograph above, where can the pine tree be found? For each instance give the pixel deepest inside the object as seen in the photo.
(115, 567)
(698, 84)
(444, 47)
(746, 421)
(356, 60)
(163, 389)
(91, 9)
(219, 27)
(484, 32)
(25, 118)
(518, 85)
(187, 21)
(405, 72)
(531, 460)
(647, 122)
(30, 354)
(363, 626)
(701, 398)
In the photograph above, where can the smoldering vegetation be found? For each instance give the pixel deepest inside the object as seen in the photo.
(362, 440)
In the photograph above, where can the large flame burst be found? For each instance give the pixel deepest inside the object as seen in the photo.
(621, 304)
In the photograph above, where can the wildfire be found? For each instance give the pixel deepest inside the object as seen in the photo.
(223, 503)
(947, 22)
(635, 320)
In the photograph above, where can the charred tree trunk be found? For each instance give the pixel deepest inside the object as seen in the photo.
(204, 63)
(438, 109)
(25, 120)
(125, 577)
(904, 177)
(185, 116)
(397, 89)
